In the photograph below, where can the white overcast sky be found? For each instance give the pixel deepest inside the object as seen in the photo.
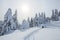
(35, 6)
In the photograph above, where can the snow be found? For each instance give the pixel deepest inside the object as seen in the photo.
(52, 32)
(18, 35)
(43, 29)
(34, 33)
(45, 34)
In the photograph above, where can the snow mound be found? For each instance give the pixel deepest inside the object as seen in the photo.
(45, 34)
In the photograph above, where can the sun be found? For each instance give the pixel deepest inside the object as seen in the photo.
(25, 8)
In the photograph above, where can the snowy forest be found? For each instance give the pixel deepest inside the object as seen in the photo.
(29, 19)
(10, 23)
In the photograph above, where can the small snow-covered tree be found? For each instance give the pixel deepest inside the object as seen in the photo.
(25, 24)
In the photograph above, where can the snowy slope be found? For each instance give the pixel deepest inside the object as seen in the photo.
(18, 35)
(45, 34)
(34, 34)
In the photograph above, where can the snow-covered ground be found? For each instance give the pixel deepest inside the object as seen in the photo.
(52, 32)
(45, 34)
(18, 35)
(34, 34)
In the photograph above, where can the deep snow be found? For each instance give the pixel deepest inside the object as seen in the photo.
(34, 34)
(45, 34)
(18, 35)
(52, 32)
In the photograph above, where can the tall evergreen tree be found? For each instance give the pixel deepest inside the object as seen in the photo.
(28, 21)
(31, 23)
(15, 20)
(36, 20)
(39, 15)
(59, 13)
(53, 15)
(56, 15)
(7, 20)
(44, 17)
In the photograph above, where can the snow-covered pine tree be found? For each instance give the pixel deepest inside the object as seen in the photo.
(44, 15)
(44, 18)
(25, 24)
(15, 21)
(59, 13)
(39, 19)
(56, 15)
(31, 22)
(53, 15)
(28, 21)
(1, 28)
(36, 20)
(7, 20)
(39, 15)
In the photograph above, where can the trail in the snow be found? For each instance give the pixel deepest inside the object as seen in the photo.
(31, 33)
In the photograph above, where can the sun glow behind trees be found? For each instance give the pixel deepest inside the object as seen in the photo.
(25, 8)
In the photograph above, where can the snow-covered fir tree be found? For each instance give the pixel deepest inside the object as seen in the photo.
(36, 22)
(31, 23)
(40, 19)
(59, 13)
(1, 28)
(28, 21)
(55, 14)
(7, 20)
(10, 21)
(15, 21)
(25, 24)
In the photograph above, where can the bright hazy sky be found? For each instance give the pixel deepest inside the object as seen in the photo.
(28, 8)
